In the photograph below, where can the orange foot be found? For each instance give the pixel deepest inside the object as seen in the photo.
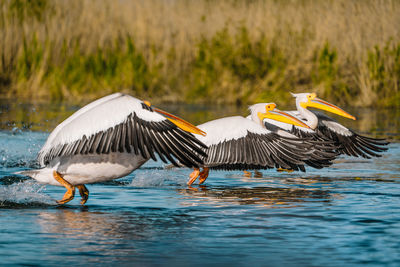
(204, 175)
(69, 195)
(84, 192)
(258, 174)
(193, 176)
(247, 174)
(284, 170)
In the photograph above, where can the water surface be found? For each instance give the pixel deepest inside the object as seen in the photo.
(348, 214)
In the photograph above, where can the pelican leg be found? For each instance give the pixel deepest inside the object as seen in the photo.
(284, 170)
(258, 174)
(84, 192)
(247, 174)
(69, 195)
(193, 176)
(204, 175)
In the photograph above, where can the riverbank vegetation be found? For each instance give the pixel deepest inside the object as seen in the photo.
(346, 51)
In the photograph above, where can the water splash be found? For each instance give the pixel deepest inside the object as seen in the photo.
(27, 193)
(158, 178)
(19, 149)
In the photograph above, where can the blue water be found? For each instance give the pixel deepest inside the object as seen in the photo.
(348, 214)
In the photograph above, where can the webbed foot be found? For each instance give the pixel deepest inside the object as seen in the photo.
(204, 175)
(193, 176)
(69, 195)
(84, 192)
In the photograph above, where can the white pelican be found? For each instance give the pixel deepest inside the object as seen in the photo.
(324, 151)
(108, 139)
(236, 143)
(326, 128)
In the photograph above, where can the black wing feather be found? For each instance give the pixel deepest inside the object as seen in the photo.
(351, 143)
(258, 151)
(138, 137)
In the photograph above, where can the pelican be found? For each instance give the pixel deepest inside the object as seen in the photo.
(236, 143)
(325, 128)
(108, 139)
(324, 151)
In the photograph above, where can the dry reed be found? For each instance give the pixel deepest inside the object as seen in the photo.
(220, 51)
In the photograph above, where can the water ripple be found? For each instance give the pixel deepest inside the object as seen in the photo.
(347, 214)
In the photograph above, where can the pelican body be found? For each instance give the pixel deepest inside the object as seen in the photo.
(111, 137)
(237, 143)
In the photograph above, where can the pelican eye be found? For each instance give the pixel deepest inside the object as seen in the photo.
(312, 96)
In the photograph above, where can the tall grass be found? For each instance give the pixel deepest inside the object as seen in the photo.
(240, 52)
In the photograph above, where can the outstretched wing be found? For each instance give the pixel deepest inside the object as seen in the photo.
(121, 123)
(324, 150)
(238, 143)
(348, 141)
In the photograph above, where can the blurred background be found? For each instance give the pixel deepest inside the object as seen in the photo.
(230, 52)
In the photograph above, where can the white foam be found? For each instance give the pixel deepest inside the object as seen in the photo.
(18, 150)
(24, 193)
(159, 178)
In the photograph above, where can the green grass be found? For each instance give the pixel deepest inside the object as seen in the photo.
(232, 64)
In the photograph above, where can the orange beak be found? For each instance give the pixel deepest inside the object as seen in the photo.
(275, 114)
(182, 124)
(281, 116)
(321, 104)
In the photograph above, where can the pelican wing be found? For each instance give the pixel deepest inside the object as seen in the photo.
(122, 123)
(348, 141)
(239, 143)
(324, 150)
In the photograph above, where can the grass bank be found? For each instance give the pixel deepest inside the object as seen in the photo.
(201, 51)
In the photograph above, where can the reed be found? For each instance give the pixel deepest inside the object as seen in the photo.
(201, 51)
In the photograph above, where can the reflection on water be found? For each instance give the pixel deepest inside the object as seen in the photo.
(45, 116)
(100, 236)
(86, 223)
(93, 233)
(263, 196)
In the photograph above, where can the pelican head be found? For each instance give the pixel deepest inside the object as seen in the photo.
(269, 111)
(311, 100)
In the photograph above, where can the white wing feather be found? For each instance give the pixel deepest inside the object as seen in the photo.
(98, 116)
(229, 128)
(337, 128)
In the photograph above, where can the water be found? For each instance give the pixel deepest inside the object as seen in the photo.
(348, 214)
